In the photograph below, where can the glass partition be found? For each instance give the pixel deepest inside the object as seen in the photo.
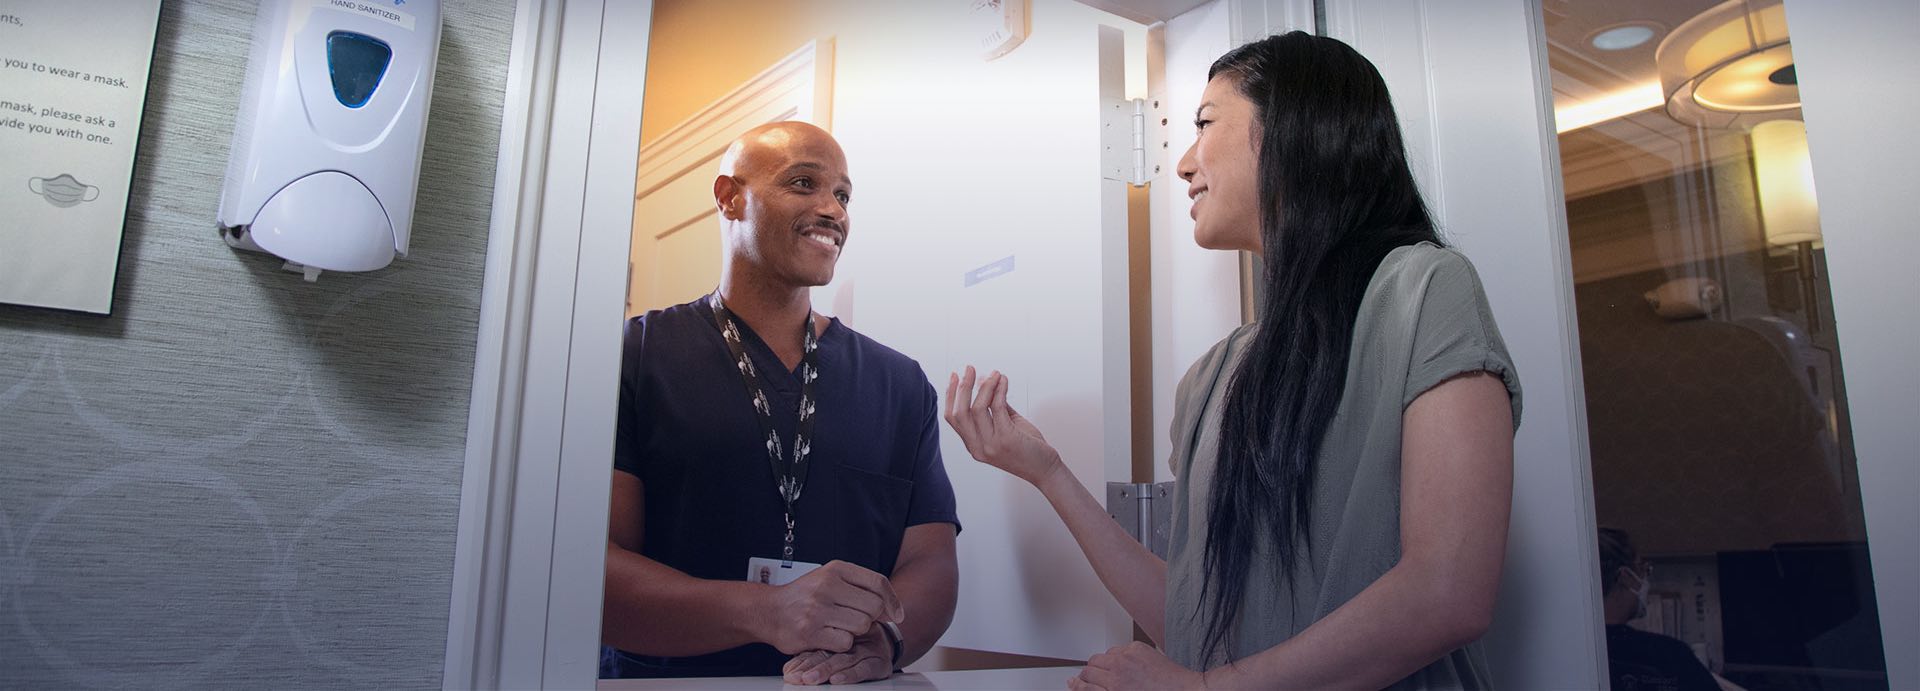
(1732, 538)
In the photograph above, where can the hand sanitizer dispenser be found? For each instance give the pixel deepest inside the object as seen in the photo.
(333, 115)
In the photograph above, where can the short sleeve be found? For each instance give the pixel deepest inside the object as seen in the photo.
(1191, 394)
(1454, 332)
(628, 440)
(933, 500)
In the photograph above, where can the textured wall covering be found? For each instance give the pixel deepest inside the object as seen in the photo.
(241, 479)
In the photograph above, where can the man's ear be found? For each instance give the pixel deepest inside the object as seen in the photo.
(726, 196)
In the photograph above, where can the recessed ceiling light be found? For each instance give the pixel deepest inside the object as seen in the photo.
(1622, 37)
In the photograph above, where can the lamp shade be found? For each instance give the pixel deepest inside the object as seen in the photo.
(1783, 178)
(1729, 62)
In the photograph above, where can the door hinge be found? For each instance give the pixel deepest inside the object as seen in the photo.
(1145, 511)
(1134, 140)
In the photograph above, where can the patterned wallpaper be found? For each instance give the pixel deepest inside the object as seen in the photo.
(241, 479)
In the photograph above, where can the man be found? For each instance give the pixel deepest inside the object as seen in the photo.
(758, 439)
(1638, 660)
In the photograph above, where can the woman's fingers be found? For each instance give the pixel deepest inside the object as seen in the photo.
(1080, 683)
(1002, 422)
(983, 398)
(959, 416)
(976, 408)
(982, 417)
(953, 391)
(966, 388)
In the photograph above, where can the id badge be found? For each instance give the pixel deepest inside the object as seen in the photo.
(775, 572)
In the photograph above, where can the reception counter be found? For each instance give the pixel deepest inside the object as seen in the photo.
(1038, 679)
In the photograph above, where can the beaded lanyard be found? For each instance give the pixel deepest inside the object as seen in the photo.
(790, 475)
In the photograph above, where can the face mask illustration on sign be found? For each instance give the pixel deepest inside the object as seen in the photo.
(63, 190)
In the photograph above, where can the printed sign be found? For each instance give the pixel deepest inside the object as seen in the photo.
(390, 12)
(73, 83)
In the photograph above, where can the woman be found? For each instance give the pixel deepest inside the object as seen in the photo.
(1344, 465)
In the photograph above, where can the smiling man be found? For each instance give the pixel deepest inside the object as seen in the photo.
(779, 505)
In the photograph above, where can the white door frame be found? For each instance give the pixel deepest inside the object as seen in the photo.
(529, 568)
(1465, 77)
(528, 565)
(1197, 293)
(1858, 133)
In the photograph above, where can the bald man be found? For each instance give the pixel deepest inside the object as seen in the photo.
(779, 505)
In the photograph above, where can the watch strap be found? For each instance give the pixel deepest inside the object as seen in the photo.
(892, 632)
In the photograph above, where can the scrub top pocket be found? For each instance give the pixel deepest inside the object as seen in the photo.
(873, 515)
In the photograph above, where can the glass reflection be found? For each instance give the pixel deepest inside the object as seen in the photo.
(1722, 462)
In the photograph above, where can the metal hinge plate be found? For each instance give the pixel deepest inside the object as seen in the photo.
(1133, 140)
(1143, 509)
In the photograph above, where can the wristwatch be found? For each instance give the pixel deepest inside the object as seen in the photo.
(892, 632)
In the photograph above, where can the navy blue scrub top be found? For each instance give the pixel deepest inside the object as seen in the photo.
(689, 432)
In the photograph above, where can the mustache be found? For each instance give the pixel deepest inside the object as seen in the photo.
(828, 224)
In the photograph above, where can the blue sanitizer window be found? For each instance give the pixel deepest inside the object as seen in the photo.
(356, 63)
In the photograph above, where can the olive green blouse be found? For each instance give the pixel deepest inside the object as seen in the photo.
(1424, 319)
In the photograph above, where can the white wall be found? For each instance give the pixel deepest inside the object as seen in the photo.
(1856, 64)
(1473, 99)
(956, 163)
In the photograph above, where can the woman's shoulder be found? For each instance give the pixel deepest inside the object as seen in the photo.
(1427, 305)
(1224, 348)
(1410, 271)
(1417, 273)
(1205, 369)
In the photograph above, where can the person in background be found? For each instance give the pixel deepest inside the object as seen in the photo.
(1344, 466)
(838, 565)
(1640, 660)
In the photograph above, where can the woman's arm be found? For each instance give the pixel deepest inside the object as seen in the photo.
(1456, 480)
(999, 436)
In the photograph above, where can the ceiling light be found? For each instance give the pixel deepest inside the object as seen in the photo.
(1609, 106)
(1622, 37)
(1732, 61)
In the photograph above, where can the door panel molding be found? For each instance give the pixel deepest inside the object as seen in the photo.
(672, 188)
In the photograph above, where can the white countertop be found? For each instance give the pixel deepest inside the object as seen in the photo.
(1037, 679)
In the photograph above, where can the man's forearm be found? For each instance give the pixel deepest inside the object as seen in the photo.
(654, 609)
(928, 584)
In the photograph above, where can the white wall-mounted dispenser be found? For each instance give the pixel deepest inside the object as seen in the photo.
(332, 119)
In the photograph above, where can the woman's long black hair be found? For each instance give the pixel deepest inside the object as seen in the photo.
(1335, 196)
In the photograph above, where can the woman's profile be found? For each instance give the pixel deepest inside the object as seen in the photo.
(1344, 464)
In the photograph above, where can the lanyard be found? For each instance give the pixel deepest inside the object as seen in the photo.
(790, 475)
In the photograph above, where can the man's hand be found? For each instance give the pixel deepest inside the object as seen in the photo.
(870, 658)
(1135, 665)
(828, 608)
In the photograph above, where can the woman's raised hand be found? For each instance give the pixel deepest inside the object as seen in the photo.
(996, 434)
